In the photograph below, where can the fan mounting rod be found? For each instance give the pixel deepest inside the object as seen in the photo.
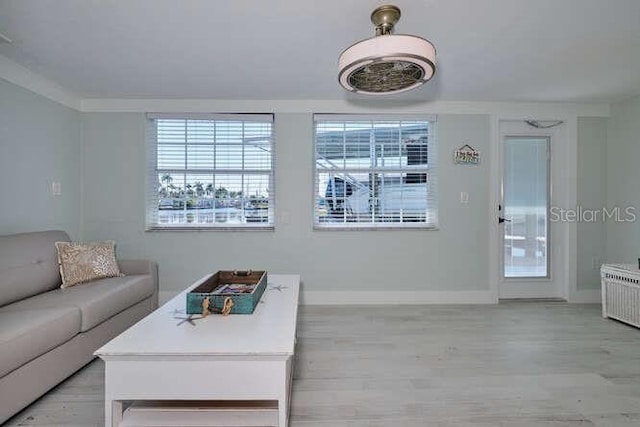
(384, 18)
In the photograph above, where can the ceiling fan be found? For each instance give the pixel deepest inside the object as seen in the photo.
(386, 63)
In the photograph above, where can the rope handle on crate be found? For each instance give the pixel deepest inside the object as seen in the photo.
(226, 306)
(242, 273)
(205, 307)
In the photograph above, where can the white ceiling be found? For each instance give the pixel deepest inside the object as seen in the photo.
(487, 50)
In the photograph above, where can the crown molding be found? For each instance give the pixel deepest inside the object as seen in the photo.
(536, 110)
(27, 79)
(21, 76)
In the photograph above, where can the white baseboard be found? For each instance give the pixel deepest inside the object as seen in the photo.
(399, 297)
(406, 297)
(379, 297)
(586, 296)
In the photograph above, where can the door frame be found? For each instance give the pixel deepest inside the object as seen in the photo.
(563, 171)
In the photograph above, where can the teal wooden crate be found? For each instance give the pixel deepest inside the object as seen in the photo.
(216, 288)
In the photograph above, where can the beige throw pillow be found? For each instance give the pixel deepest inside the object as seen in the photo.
(83, 262)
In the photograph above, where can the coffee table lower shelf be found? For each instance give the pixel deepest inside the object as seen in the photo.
(247, 379)
(179, 413)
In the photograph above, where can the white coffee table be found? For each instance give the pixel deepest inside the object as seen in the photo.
(235, 358)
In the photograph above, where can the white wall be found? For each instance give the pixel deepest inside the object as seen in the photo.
(99, 158)
(40, 142)
(623, 180)
(591, 194)
(454, 258)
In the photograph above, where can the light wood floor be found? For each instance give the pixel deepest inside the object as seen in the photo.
(512, 364)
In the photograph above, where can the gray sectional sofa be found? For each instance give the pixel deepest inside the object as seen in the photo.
(47, 333)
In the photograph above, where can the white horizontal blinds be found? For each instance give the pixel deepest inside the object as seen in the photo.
(214, 171)
(152, 182)
(374, 172)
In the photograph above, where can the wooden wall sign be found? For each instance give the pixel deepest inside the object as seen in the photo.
(466, 155)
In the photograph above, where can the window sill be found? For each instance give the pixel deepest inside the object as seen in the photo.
(155, 228)
(373, 227)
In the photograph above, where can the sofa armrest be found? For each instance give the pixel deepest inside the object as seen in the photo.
(140, 266)
(137, 266)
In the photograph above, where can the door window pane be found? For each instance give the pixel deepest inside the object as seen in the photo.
(526, 199)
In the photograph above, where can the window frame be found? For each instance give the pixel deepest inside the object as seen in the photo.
(152, 198)
(431, 218)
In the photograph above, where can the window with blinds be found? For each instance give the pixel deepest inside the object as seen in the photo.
(210, 171)
(374, 172)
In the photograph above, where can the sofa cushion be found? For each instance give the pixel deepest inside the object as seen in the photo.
(28, 264)
(84, 262)
(26, 334)
(98, 300)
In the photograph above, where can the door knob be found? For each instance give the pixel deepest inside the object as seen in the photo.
(501, 220)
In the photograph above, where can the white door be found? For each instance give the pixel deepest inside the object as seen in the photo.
(529, 249)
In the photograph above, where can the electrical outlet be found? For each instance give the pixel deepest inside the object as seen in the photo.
(56, 188)
(464, 197)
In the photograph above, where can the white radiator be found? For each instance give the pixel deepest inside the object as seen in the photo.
(621, 292)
